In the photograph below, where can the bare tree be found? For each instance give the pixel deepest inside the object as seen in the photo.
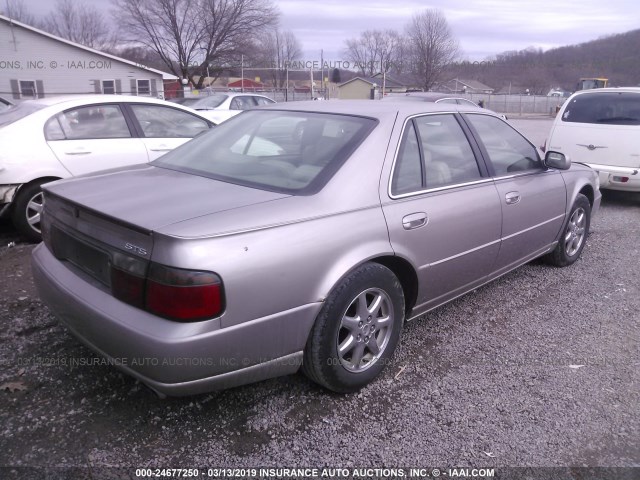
(231, 27)
(194, 36)
(172, 28)
(432, 46)
(80, 23)
(374, 51)
(16, 10)
(276, 50)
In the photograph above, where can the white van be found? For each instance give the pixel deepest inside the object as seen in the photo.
(601, 128)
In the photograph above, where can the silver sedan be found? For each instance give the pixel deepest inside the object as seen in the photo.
(301, 235)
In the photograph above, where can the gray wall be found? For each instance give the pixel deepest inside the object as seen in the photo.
(59, 68)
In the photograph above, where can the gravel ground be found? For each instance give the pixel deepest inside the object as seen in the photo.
(540, 368)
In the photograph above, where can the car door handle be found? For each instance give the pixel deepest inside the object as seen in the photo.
(512, 198)
(78, 152)
(161, 148)
(414, 220)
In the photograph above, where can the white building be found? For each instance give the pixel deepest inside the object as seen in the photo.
(35, 64)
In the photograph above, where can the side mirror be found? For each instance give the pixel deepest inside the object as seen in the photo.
(557, 160)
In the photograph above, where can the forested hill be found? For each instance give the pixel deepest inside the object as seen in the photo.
(616, 57)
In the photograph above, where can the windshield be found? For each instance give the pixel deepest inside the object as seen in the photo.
(291, 152)
(13, 114)
(187, 102)
(212, 101)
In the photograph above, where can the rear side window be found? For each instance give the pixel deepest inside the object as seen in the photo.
(90, 122)
(434, 153)
(242, 103)
(608, 108)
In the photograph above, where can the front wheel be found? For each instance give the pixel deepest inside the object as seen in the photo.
(27, 210)
(574, 235)
(356, 331)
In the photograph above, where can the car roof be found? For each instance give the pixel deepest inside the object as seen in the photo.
(371, 108)
(608, 90)
(421, 96)
(236, 94)
(97, 98)
(64, 102)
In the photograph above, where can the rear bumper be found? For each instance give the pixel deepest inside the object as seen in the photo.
(172, 358)
(617, 178)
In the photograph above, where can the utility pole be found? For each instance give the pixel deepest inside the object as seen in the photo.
(242, 73)
(311, 75)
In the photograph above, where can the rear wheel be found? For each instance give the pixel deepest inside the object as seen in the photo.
(27, 209)
(356, 331)
(574, 235)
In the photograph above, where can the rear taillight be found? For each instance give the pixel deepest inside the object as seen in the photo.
(128, 279)
(173, 293)
(183, 294)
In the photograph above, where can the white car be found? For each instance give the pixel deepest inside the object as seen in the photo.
(219, 107)
(61, 137)
(436, 97)
(601, 128)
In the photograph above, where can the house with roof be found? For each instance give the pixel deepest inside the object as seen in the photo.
(459, 85)
(369, 87)
(37, 64)
(246, 85)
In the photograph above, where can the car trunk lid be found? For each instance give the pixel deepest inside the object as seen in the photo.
(146, 197)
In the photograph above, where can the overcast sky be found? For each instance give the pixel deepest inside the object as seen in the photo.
(483, 27)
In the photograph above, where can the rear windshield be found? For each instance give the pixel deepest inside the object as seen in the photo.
(609, 108)
(290, 152)
(212, 101)
(18, 112)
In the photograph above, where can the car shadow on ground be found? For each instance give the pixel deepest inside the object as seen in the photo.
(615, 197)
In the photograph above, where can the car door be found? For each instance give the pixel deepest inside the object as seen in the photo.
(93, 137)
(442, 210)
(533, 198)
(164, 128)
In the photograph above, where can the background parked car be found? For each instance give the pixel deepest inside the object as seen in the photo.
(601, 128)
(185, 101)
(222, 106)
(435, 98)
(308, 230)
(60, 137)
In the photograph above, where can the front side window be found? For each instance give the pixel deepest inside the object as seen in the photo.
(91, 122)
(292, 152)
(604, 108)
(158, 121)
(509, 152)
(434, 153)
(144, 87)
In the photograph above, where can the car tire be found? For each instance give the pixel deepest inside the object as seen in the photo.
(363, 317)
(574, 234)
(27, 209)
